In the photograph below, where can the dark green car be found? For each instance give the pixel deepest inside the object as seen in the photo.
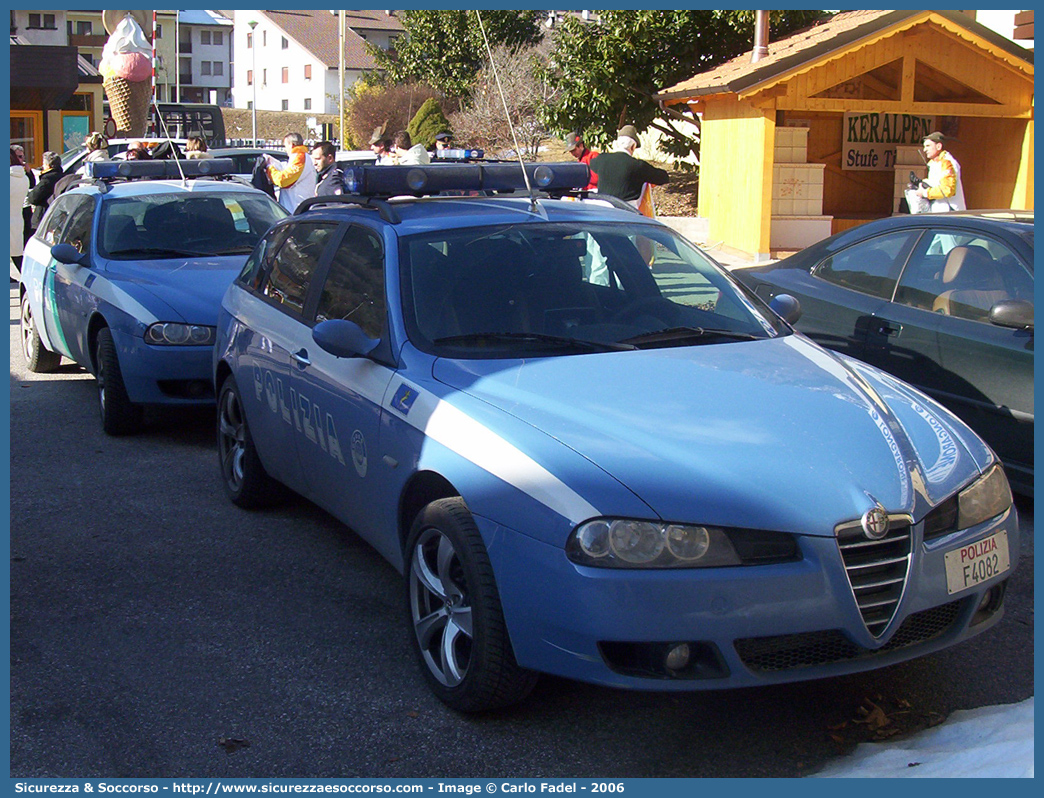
(942, 301)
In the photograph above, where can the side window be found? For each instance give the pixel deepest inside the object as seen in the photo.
(869, 267)
(354, 287)
(78, 233)
(294, 262)
(963, 274)
(51, 227)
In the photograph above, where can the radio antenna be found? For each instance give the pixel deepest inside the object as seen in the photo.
(166, 134)
(507, 113)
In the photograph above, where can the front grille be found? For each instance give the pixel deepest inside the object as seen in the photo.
(789, 652)
(877, 571)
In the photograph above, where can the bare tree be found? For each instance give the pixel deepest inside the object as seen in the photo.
(482, 123)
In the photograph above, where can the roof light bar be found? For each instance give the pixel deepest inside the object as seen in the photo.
(419, 181)
(110, 170)
(458, 155)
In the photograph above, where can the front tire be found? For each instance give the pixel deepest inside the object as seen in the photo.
(119, 415)
(38, 358)
(458, 628)
(246, 482)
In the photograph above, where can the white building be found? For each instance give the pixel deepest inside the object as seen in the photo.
(1014, 25)
(289, 60)
(205, 57)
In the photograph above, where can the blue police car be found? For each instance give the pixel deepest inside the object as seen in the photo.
(125, 275)
(590, 451)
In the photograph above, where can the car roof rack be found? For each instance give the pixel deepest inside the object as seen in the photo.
(382, 207)
(107, 171)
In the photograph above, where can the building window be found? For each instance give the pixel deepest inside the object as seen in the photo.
(286, 105)
(250, 41)
(264, 77)
(286, 75)
(219, 68)
(218, 38)
(264, 38)
(42, 22)
(250, 77)
(79, 28)
(308, 71)
(250, 105)
(308, 104)
(286, 44)
(159, 31)
(204, 37)
(204, 67)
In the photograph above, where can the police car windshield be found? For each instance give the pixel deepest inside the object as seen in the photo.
(158, 226)
(530, 289)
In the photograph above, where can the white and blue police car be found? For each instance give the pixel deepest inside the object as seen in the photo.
(125, 275)
(592, 452)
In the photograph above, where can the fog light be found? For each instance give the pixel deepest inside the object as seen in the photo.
(677, 657)
(990, 604)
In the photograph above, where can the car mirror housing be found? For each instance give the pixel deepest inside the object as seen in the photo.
(342, 338)
(786, 307)
(68, 254)
(1014, 313)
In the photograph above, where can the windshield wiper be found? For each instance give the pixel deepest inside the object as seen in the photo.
(242, 249)
(159, 252)
(536, 338)
(689, 334)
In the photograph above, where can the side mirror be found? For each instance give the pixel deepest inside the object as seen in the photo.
(342, 338)
(1014, 313)
(68, 254)
(786, 307)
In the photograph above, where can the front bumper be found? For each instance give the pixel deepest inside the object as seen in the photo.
(748, 625)
(178, 375)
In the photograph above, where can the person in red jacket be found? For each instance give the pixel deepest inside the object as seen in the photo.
(575, 145)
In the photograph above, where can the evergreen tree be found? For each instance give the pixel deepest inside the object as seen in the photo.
(428, 122)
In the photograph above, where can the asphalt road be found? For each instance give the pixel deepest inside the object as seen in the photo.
(158, 631)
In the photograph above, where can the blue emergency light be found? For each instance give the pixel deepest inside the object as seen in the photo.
(391, 181)
(458, 155)
(207, 167)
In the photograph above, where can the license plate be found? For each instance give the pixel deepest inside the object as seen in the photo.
(977, 562)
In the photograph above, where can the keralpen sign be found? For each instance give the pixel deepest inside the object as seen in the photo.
(870, 139)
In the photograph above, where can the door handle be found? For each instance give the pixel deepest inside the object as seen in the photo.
(301, 356)
(889, 329)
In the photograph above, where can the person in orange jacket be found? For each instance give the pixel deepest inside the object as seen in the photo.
(295, 180)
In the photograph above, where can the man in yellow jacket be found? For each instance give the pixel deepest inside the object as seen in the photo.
(294, 180)
(945, 192)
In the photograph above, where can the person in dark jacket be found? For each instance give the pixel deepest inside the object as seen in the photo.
(622, 175)
(40, 194)
(329, 179)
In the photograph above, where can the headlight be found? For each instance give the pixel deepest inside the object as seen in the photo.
(167, 333)
(987, 498)
(626, 543)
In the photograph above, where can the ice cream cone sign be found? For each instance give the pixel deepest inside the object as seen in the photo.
(126, 68)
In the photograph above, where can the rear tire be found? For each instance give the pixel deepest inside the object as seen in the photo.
(38, 358)
(246, 482)
(458, 628)
(119, 415)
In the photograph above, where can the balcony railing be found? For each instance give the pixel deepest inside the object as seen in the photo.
(185, 78)
(185, 48)
(87, 40)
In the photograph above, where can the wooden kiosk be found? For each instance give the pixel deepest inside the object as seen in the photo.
(821, 133)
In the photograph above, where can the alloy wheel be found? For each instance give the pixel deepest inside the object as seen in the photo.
(232, 439)
(440, 607)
